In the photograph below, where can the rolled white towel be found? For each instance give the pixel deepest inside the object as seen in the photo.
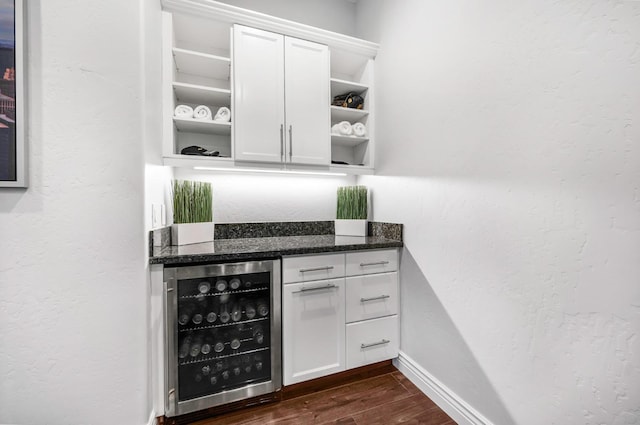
(335, 129)
(359, 129)
(183, 111)
(344, 128)
(223, 114)
(202, 113)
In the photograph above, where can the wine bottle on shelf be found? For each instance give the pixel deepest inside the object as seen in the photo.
(219, 366)
(248, 284)
(214, 380)
(263, 308)
(234, 283)
(185, 312)
(235, 364)
(206, 345)
(206, 370)
(221, 285)
(234, 340)
(225, 375)
(258, 335)
(197, 318)
(196, 346)
(257, 362)
(211, 316)
(204, 287)
(224, 314)
(249, 309)
(236, 312)
(218, 345)
(185, 347)
(246, 364)
(198, 377)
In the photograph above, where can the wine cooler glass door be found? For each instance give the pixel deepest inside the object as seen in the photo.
(224, 338)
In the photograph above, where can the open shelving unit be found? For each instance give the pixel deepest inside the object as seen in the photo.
(196, 71)
(352, 73)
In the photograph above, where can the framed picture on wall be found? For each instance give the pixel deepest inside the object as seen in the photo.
(13, 155)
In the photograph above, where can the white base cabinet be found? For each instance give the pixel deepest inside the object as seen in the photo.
(333, 323)
(313, 329)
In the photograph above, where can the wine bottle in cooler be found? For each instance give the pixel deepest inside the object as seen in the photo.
(263, 308)
(258, 334)
(249, 309)
(235, 367)
(224, 316)
(183, 352)
(196, 346)
(211, 316)
(221, 285)
(207, 345)
(235, 283)
(246, 364)
(257, 362)
(218, 344)
(236, 312)
(204, 287)
(206, 370)
(185, 312)
(234, 340)
(200, 308)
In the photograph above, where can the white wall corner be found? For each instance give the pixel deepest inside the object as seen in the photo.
(153, 420)
(454, 406)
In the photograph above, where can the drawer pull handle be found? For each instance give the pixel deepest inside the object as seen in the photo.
(373, 344)
(381, 297)
(317, 288)
(377, 263)
(316, 269)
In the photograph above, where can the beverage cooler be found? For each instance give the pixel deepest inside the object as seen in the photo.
(222, 334)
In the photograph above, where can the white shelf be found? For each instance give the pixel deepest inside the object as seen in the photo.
(177, 160)
(339, 86)
(201, 64)
(338, 113)
(351, 169)
(202, 126)
(347, 140)
(193, 93)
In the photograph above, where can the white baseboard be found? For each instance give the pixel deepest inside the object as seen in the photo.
(447, 400)
(153, 420)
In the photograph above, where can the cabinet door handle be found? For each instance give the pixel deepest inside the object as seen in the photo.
(316, 269)
(377, 263)
(373, 344)
(317, 288)
(381, 297)
(290, 143)
(281, 141)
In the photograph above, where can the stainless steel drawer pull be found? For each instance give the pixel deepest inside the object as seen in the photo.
(317, 269)
(373, 344)
(381, 297)
(377, 263)
(317, 288)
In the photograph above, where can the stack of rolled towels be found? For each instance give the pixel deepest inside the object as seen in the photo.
(202, 112)
(345, 128)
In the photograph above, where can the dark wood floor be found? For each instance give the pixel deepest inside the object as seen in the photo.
(381, 400)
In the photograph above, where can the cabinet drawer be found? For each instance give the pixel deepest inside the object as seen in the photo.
(312, 267)
(372, 341)
(369, 262)
(372, 296)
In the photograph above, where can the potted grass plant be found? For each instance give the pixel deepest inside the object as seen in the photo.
(192, 212)
(352, 211)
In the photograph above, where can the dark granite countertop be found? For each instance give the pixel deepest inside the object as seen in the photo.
(266, 247)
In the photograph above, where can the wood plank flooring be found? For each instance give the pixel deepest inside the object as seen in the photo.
(382, 400)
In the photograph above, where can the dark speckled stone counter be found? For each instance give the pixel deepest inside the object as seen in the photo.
(266, 247)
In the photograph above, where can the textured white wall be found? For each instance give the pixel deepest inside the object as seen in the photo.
(333, 15)
(513, 131)
(73, 322)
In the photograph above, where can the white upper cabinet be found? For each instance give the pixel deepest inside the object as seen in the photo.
(281, 89)
(277, 78)
(258, 58)
(306, 100)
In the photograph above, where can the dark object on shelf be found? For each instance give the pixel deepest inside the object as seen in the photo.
(349, 100)
(197, 150)
(343, 163)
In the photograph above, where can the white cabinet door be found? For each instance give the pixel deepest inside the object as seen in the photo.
(372, 341)
(313, 330)
(371, 296)
(307, 102)
(258, 68)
